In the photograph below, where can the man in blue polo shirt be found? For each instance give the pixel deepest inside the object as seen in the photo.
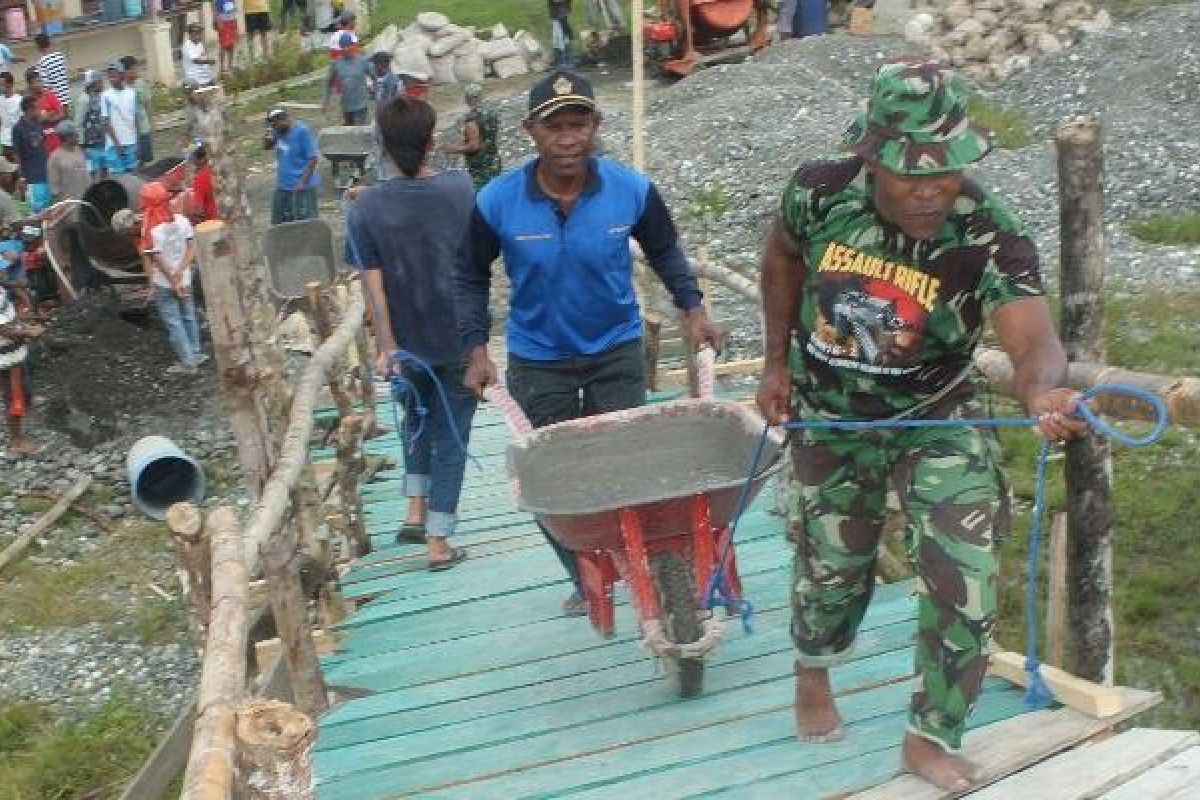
(296, 175)
(562, 222)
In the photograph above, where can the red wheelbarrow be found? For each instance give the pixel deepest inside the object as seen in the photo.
(645, 496)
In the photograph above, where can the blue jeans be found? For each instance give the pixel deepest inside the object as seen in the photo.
(434, 460)
(179, 315)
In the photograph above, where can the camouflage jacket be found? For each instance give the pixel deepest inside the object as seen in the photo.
(485, 164)
(887, 325)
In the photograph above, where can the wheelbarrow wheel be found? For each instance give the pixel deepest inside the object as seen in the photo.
(677, 597)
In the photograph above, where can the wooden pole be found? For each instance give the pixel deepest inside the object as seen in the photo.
(210, 769)
(44, 522)
(228, 318)
(1088, 465)
(280, 559)
(350, 467)
(275, 743)
(192, 548)
(293, 452)
(1056, 596)
(318, 306)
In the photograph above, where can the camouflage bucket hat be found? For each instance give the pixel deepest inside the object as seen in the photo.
(916, 122)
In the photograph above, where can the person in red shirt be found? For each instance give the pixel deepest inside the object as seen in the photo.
(199, 201)
(49, 108)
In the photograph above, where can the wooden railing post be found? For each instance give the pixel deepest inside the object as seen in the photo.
(210, 769)
(281, 566)
(192, 548)
(1089, 459)
(275, 744)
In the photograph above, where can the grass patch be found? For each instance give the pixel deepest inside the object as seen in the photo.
(1169, 228)
(1009, 124)
(92, 758)
(95, 588)
(528, 15)
(1156, 505)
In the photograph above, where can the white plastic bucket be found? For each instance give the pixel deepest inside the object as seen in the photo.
(161, 474)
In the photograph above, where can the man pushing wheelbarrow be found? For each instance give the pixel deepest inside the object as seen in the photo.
(562, 222)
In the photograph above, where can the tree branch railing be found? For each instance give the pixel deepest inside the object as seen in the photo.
(242, 745)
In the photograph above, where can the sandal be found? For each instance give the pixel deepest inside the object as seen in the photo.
(457, 556)
(575, 606)
(411, 533)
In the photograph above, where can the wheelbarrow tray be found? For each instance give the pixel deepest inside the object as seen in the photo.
(577, 476)
(345, 142)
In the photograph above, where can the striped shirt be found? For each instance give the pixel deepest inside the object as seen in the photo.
(12, 351)
(52, 67)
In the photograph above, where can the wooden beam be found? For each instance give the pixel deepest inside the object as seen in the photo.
(1056, 599)
(1177, 779)
(1088, 464)
(1083, 696)
(266, 652)
(45, 521)
(273, 502)
(165, 763)
(280, 558)
(1088, 770)
(210, 769)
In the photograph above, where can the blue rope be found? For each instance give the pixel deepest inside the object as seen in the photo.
(404, 392)
(1038, 694)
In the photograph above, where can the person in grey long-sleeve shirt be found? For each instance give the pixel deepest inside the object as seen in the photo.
(351, 75)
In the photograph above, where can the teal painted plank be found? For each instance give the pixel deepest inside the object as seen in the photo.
(625, 689)
(761, 531)
(481, 693)
(629, 706)
(477, 693)
(542, 637)
(867, 756)
(411, 558)
(548, 766)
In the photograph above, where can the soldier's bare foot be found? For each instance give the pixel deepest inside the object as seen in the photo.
(22, 445)
(817, 718)
(929, 761)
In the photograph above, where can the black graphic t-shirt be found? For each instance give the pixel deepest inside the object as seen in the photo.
(888, 323)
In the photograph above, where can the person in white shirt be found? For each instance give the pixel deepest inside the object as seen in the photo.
(10, 110)
(119, 109)
(196, 63)
(169, 253)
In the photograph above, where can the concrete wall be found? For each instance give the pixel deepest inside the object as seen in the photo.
(96, 46)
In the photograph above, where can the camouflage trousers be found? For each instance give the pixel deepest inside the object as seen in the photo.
(954, 495)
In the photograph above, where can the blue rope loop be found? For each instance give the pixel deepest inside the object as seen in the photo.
(1038, 694)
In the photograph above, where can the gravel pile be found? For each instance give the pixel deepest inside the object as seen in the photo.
(737, 132)
(78, 670)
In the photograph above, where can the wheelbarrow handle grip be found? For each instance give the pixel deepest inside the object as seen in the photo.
(514, 417)
(706, 372)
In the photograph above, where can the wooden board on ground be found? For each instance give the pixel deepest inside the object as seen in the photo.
(1177, 779)
(1093, 768)
(1083, 696)
(1014, 744)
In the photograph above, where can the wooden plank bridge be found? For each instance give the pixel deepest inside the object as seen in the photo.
(470, 684)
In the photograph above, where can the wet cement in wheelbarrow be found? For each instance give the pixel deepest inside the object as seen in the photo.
(577, 470)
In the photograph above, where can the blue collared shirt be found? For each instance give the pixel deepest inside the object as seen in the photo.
(571, 274)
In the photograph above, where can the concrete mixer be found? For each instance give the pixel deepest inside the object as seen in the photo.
(683, 35)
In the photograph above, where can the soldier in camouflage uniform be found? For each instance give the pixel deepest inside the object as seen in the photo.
(481, 134)
(878, 277)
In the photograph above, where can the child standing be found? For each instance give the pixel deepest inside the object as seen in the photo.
(225, 13)
(89, 121)
(14, 378)
(169, 253)
(145, 117)
(29, 146)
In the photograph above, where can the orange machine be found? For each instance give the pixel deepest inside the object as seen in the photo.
(692, 33)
